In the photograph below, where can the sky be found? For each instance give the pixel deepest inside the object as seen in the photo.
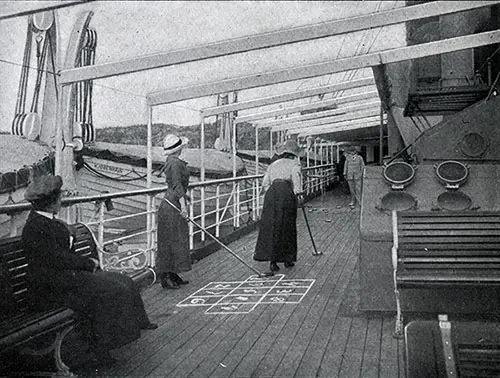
(127, 29)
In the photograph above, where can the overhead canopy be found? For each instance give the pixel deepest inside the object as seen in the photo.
(178, 55)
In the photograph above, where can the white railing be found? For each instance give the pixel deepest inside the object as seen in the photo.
(226, 203)
(317, 178)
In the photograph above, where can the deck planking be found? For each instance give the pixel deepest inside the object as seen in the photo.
(313, 338)
(316, 307)
(298, 315)
(264, 342)
(371, 352)
(316, 355)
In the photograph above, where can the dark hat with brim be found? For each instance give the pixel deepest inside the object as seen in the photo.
(43, 186)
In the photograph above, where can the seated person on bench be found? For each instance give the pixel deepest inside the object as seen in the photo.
(109, 303)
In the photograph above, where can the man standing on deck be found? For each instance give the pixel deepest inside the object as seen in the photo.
(340, 171)
(353, 173)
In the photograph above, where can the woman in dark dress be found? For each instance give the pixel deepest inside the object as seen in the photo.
(109, 304)
(173, 254)
(277, 239)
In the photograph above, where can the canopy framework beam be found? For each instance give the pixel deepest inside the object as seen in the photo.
(32, 7)
(363, 125)
(285, 97)
(320, 69)
(358, 105)
(271, 39)
(350, 124)
(310, 106)
(370, 112)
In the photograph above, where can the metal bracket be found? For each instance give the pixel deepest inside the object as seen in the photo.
(449, 357)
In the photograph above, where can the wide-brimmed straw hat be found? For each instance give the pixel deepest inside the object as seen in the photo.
(289, 146)
(173, 143)
(43, 186)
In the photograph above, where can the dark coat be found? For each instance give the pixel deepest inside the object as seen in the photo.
(340, 169)
(109, 302)
(173, 232)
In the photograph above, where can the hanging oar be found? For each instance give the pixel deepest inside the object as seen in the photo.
(267, 274)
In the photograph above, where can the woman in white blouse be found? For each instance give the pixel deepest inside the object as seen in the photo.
(277, 240)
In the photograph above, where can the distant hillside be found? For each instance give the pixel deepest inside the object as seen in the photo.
(137, 134)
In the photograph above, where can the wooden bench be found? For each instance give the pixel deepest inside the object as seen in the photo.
(434, 250)
(452, 349)
(20, 325)
(438, 249)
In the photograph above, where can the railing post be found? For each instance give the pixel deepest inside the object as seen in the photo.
(191, 215)
(322, 180)
(257, 198)
(256, 183)
(149, 197)
(151, 231)
(202, 211)
(255, 193)
(238, 204)
(148, 224)
(217, 211)
(235, 204)
(100, 231)
(13, 228)
(308, 180)
(202, 176)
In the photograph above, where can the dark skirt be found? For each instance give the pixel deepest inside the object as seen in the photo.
(277, 239)
(109, 304)
(173, 239)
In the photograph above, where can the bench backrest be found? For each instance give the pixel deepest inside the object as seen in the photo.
(13, 267)
(448, 240)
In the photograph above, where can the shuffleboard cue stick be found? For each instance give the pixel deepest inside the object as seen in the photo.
(315, 253)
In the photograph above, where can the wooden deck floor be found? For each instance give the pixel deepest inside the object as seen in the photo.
(322, 336)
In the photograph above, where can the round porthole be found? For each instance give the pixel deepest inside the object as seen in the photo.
(473, 145)
(452, 173)
(399, 174)
(454, 201)
(398, 201)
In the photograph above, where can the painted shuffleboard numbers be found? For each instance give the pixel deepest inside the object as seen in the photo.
(241, 297)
